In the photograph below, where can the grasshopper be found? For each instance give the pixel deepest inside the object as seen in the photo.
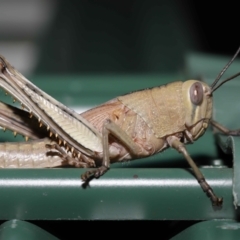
(128, 127)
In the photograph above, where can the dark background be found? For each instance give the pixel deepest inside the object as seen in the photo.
(121, 36)
(136, 36)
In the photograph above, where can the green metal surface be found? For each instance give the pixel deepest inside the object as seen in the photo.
(227, 113)
(21, 230)
(157, 194)
(232, 144)
(209, 230)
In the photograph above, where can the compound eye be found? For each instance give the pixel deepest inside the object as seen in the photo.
(196, 93)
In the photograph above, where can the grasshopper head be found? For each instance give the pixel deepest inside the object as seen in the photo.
(197, 97)
(198, 106)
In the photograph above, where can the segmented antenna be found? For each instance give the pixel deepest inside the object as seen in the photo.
(213, 86)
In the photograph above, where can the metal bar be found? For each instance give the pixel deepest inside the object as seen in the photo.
(163, 194)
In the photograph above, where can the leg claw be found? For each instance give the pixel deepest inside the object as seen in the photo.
(96, 173)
